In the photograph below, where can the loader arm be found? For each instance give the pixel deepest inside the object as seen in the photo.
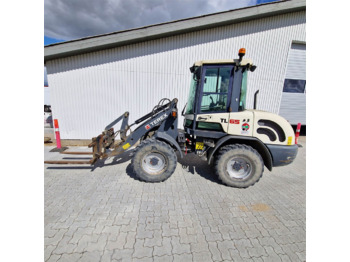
(160, 117)
(104, 146)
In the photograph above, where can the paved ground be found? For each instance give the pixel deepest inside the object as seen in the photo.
(49, 132)
(108, 215)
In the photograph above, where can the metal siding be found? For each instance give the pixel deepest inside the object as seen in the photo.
(293, 105)
(47, 95)
(293, 108)
(92, 89)
(296, 68)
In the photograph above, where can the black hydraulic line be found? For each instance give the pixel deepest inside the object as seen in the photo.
(183, 110)
(152, 113)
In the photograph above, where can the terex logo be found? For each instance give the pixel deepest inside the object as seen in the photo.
(154, 122)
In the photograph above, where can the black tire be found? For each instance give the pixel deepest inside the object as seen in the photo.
(239, 165)
(154, 161)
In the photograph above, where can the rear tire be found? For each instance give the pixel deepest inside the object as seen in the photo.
(239, 165)
(154, 161)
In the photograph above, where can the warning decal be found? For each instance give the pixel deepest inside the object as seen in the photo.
(126, 146)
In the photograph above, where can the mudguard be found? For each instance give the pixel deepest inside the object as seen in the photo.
(164, 136)
(258, 145)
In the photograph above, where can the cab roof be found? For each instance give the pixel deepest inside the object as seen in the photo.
(223, 61)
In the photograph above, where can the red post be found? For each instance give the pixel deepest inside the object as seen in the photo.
(297, 133)
(57, 132)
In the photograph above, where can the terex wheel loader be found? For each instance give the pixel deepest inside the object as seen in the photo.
(217, 127)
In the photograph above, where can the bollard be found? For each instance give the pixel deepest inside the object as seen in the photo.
(297, 133)
(58, 147)
(57, 132)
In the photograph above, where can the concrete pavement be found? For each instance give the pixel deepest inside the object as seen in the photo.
(108, 215)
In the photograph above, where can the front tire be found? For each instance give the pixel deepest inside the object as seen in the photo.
(154, 161)
(239, 165)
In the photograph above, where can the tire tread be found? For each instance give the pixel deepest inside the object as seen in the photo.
(172, 158)
(225, 149)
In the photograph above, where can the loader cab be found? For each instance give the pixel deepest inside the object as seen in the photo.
(218, 87)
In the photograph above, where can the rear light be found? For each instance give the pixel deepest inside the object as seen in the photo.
(174, 114)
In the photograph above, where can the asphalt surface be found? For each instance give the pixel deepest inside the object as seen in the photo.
(107, 214)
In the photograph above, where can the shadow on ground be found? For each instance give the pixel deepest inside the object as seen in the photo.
(195, 165)
(191, 163)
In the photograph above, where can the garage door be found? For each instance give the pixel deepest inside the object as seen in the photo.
(293, 103)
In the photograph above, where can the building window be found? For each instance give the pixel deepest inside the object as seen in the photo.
(294, 86)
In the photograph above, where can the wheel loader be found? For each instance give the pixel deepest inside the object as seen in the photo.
(218, 127)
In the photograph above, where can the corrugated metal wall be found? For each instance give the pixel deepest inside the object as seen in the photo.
(296, 68)
(88, 91)
(47, 100)
(293, 105)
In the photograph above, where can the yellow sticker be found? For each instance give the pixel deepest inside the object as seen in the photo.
(199, 145)
(126, 146)
(290, 140)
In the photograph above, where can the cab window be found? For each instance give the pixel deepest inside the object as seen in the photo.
(215, 89)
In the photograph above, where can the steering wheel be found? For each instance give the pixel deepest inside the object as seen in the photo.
(212, 104)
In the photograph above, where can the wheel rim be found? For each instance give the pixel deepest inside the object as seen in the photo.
(154, 163)
(239, 168)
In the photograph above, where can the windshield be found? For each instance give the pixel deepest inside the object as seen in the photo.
(191, 96)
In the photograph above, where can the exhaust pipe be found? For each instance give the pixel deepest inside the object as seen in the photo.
(255, 98)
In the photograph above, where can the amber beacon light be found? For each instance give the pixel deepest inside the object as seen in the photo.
(241, 53)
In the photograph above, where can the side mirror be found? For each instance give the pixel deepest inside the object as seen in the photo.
(195, 70)
(197, 73)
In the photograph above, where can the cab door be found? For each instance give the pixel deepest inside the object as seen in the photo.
(241, 121)
(215, 97)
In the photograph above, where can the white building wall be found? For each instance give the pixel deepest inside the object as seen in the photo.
(47, 95)
(293, 105)
(89, 91)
